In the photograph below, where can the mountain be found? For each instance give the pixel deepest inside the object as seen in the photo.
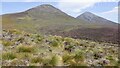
(43, 18)
(47, 19)
(92, 18)
(45, 10)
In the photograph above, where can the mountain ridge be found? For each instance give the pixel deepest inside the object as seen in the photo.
(51, 6)
(48, 20)
(93, 18)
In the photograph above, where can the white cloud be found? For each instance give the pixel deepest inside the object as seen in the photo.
(114, 10)
(74, 7)
(110, 15)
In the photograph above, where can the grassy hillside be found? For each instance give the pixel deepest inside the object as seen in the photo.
(27, 49)
(29, 24)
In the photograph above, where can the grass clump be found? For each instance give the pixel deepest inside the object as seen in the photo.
(8, 56)
(79, 56)
(7, 43)
(46, 61)
(38, 38)
(36, 60)
(54, 43)
(69, 48)
(56, 61)
(23, 55)
(25, 48)
(17, 62)
(67, 57)
(15, 31)
(69, 40)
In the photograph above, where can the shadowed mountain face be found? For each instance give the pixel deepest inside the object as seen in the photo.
(47, 19)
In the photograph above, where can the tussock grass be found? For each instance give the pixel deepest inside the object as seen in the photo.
(36, 60)
(56, 61)
(7, 43)
(38, 50)
(23, 55)
(26, 48)
(8, 55)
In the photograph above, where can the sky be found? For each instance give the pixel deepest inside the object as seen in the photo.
(105, 8)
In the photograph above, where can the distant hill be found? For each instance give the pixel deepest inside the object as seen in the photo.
(92, 18)
(47, 19)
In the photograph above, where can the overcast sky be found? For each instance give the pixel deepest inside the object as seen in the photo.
(104, 8)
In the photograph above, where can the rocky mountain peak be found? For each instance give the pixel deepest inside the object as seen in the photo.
(92, 18)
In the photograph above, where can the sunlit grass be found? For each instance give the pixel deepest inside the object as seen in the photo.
(26, 48)
(56, 61)
(36, 60)
(8, 55)
(7, 43)
(38, 50)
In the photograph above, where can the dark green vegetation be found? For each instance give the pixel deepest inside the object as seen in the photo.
(26, 49)
(48, 20)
